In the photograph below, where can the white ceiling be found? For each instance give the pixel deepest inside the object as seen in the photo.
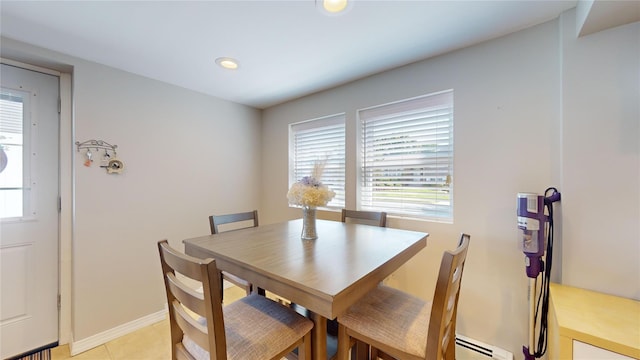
(286, 49)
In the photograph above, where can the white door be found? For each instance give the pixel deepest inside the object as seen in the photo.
(29, 133)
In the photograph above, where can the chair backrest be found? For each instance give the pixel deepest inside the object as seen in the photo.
(442, 325)
(207, 305)
(378, 218)
(216, 220)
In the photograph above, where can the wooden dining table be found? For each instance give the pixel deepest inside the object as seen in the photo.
(326, 275)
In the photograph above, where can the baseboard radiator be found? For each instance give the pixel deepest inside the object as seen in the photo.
(468, 349)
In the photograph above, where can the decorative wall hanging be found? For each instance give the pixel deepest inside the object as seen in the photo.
(104, 150)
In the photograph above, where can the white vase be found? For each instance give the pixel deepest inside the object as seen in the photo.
(309, 223)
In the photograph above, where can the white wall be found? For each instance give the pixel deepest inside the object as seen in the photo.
(510, 97)
(506, 110)
(601, 159)
(186, 155)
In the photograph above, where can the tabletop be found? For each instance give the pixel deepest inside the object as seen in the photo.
(323, 272)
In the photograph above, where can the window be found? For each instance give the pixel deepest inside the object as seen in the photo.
(407, 157)
(15, 200)
(317, 140)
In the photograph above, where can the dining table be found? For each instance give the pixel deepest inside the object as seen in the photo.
(326, 275)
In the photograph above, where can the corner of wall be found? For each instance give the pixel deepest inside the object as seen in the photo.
(582, 11)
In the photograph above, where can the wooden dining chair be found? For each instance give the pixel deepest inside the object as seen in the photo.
(401, 326)
(375, 218)
(253, 327)
(234, 222)
(239, 220)
(378, 218)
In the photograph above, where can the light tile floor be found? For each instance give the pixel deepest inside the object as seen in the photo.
(152, 342)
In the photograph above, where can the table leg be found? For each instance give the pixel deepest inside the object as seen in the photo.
(318, 336)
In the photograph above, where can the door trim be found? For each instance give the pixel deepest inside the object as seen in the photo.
(29, 67)
(67, 205)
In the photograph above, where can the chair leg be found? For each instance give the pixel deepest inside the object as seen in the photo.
(362, 350)
(304, 349)
(374, 353)
(343, 343)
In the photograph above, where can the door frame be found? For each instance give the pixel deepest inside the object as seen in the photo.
(66, 201)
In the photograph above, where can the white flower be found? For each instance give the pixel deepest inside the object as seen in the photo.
(309, 191)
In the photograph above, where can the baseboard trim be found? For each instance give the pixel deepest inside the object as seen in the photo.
(80, 346)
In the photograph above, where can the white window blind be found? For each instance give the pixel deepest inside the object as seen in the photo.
(319, 140)
(407, 157)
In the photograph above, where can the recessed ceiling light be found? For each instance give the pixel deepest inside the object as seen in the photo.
(227, 63)
(334, 6)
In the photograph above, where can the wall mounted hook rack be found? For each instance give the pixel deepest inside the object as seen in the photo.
(108, 161)
(97, 145)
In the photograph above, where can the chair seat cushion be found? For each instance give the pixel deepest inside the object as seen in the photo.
(390, 319)
(256, 328)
